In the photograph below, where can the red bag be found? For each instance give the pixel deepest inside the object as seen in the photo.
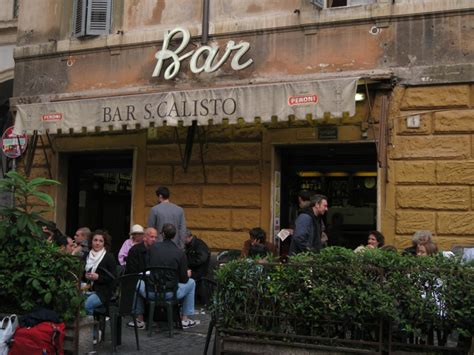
(44, 338)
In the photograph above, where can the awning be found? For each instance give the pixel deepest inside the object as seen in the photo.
(206, 106)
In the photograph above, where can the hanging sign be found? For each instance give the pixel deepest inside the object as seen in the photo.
(202, 59)
(13, 145)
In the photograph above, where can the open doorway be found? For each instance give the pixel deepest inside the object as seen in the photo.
(100, 193)
(346, 173)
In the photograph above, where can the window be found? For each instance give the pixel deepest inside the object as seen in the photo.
(339, 3)
(16, 8)
(92, 17)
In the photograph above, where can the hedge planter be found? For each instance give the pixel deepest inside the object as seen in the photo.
(338, 300)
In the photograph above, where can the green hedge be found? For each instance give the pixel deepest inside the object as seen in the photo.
(349, 289)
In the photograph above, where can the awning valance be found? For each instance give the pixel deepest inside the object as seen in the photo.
(334, 96)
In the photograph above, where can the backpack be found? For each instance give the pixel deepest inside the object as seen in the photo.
(46, 338)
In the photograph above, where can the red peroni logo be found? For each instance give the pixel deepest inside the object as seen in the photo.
(52, 117)
(302, 100)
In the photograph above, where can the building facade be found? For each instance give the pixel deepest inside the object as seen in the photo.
(8, 31)
(369, 102)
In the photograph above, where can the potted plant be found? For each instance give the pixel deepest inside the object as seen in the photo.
(34, 272)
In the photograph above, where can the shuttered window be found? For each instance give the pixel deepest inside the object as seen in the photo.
(92, 17)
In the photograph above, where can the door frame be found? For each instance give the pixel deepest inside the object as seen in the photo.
(276, 166)
(135, 142)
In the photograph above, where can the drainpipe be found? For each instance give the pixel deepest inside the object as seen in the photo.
(205, 21)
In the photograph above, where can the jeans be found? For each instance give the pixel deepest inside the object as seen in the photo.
(92, 302)
(185, 293)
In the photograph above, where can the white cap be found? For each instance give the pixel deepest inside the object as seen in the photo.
(136, 228)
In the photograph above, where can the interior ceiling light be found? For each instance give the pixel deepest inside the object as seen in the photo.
(360, 96)
(365, 173)
(309, 173)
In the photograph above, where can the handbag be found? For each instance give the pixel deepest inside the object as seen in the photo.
(8, 326)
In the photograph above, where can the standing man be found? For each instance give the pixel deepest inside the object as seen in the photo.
(81, 239)
(309, 226)
(138, 256)
(167, 212)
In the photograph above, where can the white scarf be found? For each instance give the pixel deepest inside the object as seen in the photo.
(93, 260)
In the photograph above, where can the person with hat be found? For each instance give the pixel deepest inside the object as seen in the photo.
(136, 236)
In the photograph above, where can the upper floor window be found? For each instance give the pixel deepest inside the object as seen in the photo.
(92, 17)
(16, 8)
(339, 3)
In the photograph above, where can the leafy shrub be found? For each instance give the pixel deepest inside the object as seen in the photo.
(339, 291)
(33, 272)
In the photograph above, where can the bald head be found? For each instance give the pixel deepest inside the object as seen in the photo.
(150, 237)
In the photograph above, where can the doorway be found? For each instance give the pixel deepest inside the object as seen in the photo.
(100, 193)
(346, 173)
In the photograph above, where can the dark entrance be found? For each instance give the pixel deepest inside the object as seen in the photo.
(346, 174)
(99, 193)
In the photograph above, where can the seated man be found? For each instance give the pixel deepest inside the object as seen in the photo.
(258, 240)
(137, 259)
(198, 256)
(168, 254)
(136, 237)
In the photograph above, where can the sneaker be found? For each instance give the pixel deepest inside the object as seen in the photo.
(188, 323)
(140, 324)
(98, 339)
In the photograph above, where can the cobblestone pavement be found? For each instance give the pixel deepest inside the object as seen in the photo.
(189, 341)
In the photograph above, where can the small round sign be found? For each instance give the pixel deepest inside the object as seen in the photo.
(13, 145)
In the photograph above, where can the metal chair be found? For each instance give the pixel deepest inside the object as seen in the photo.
(211, 285)
(127, 300)
(163, 282)
(102, 312)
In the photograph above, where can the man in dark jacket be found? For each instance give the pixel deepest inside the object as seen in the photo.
(138, 256)
(168, 254)
(198, 256)
(309, 226)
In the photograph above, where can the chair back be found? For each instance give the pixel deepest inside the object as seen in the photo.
(127, 285)
(162, 280)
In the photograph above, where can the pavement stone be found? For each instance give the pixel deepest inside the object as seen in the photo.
(188, 341)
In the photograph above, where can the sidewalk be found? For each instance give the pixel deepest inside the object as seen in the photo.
(189, 341)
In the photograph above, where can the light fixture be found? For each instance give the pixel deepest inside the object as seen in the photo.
(337, 174)
(365, 173)
(360, 96)
(309, 173)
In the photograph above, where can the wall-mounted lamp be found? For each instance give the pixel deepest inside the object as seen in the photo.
(360, 96)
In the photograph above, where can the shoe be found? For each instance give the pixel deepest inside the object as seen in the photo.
(188, 323)
(98, 339)
(140, 324)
